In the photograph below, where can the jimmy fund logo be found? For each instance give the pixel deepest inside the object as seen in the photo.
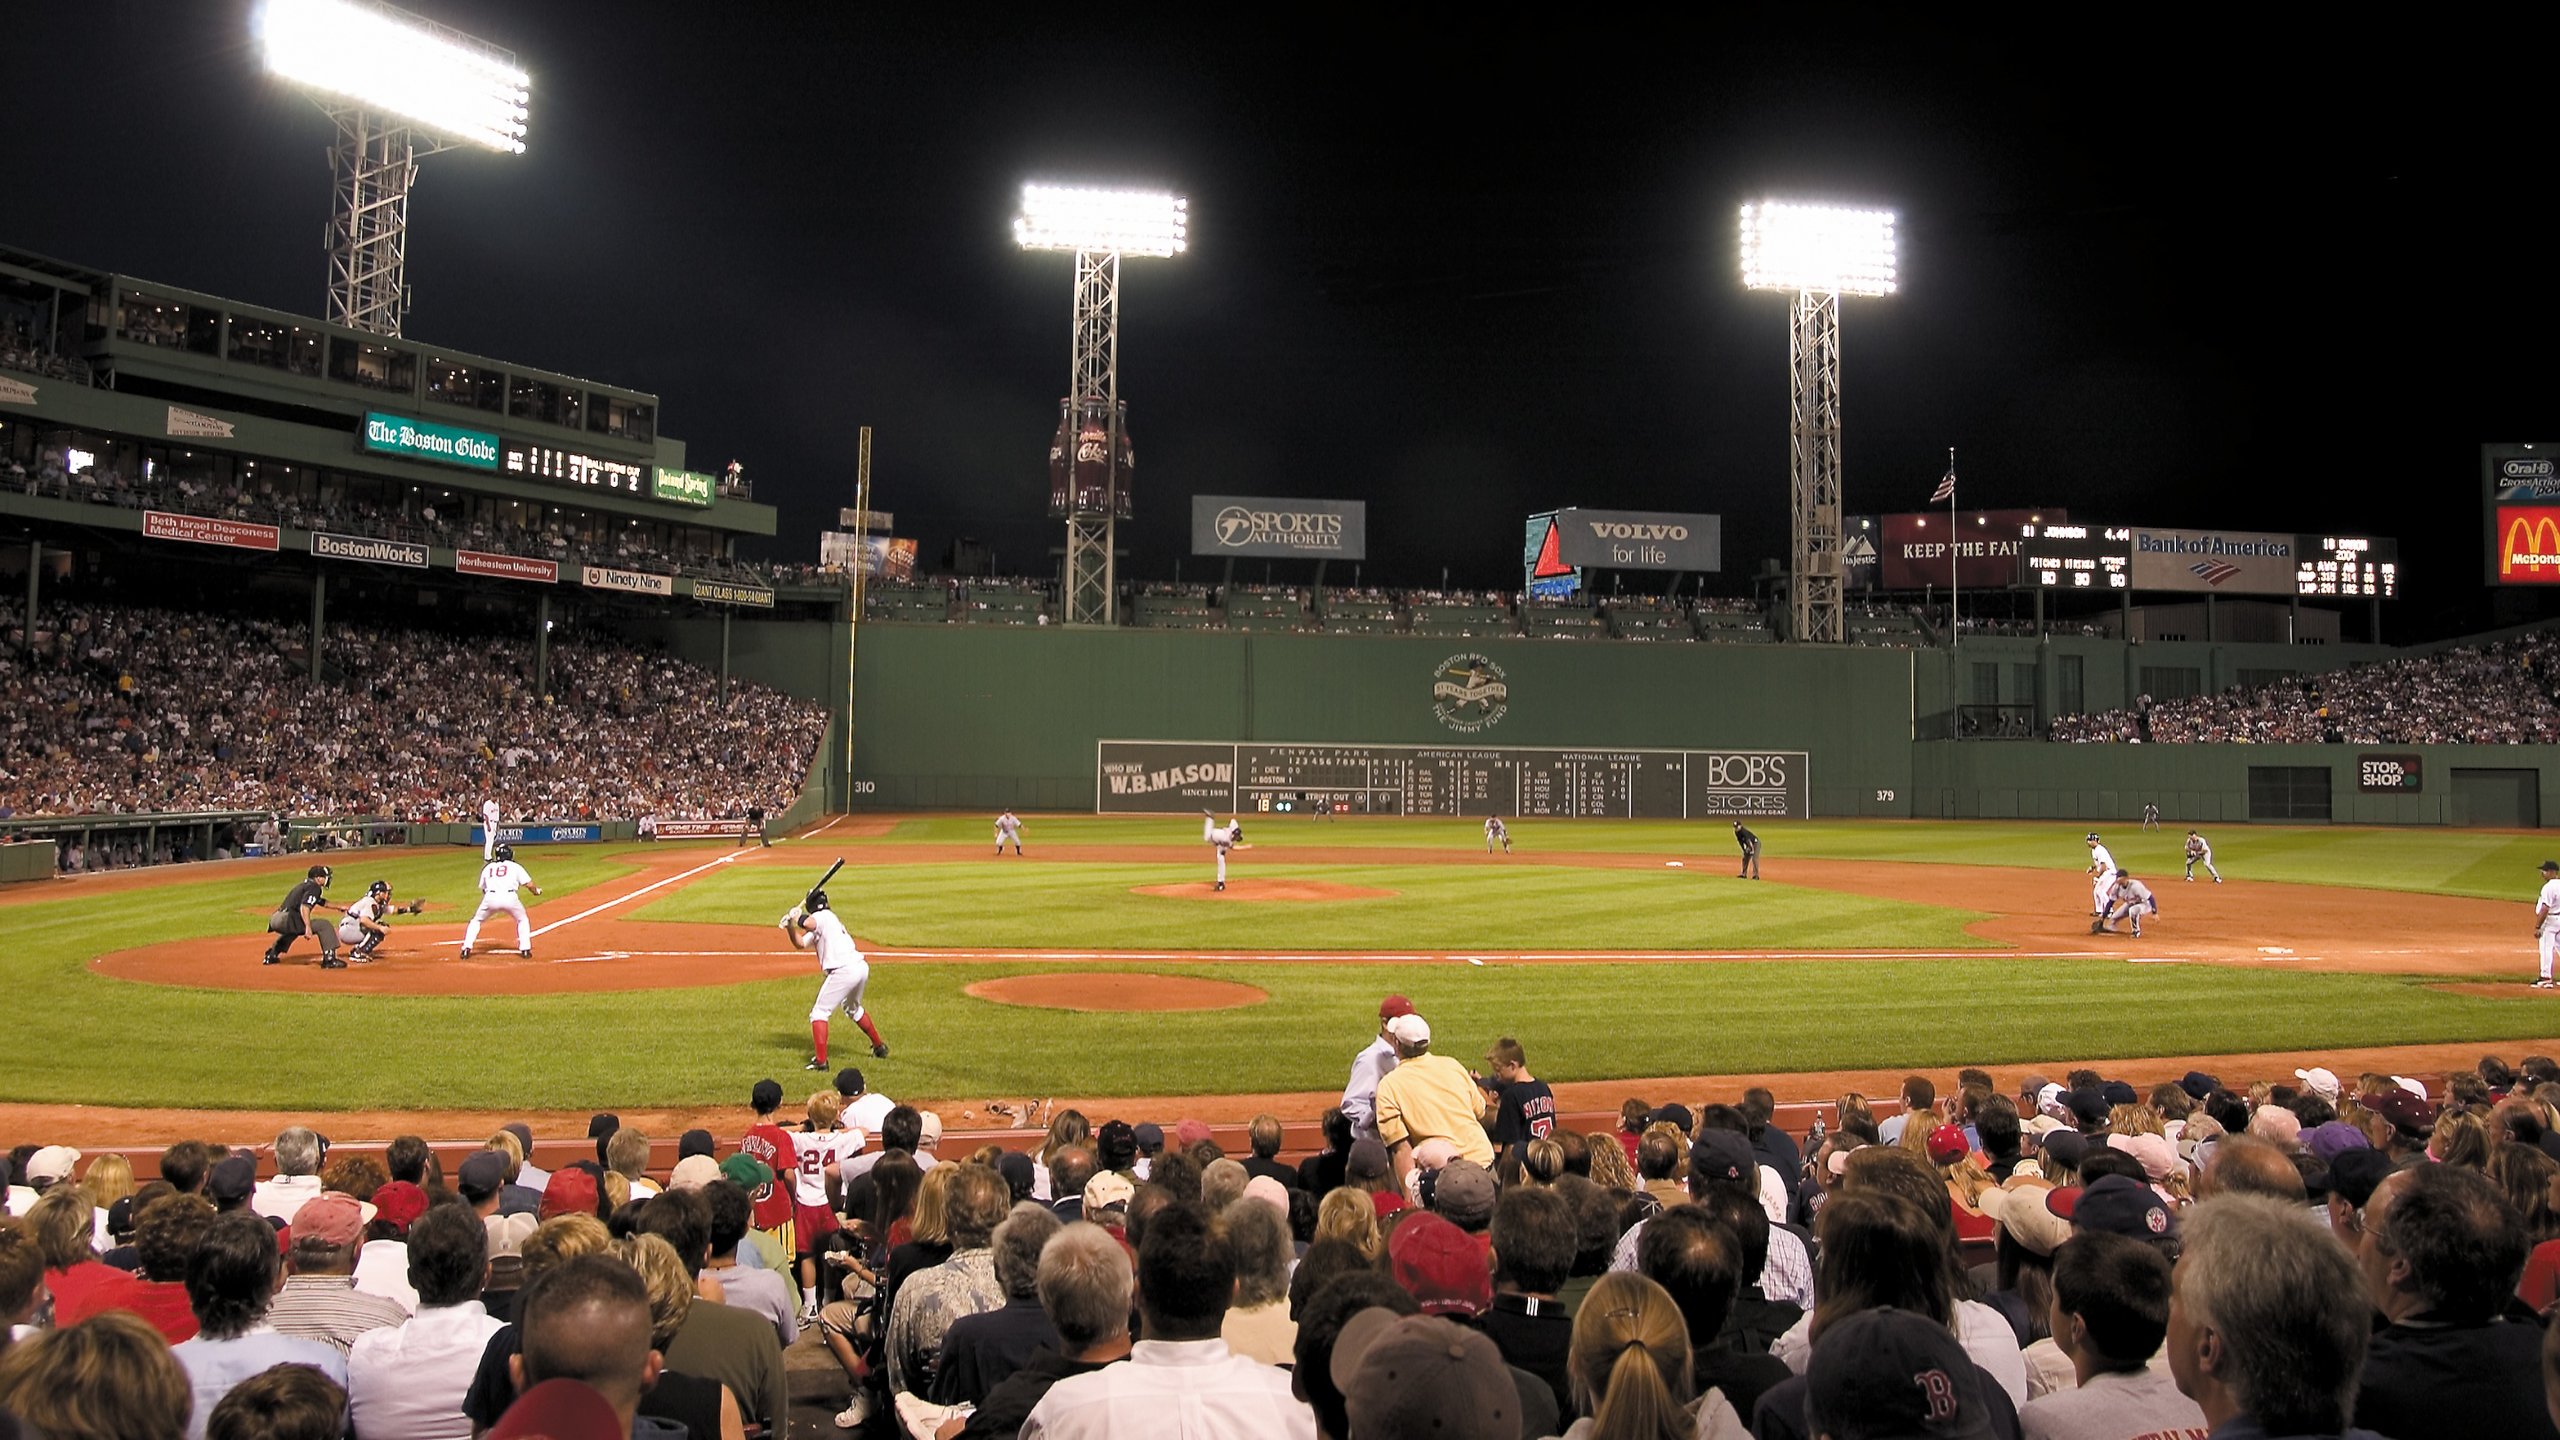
(1469, 694)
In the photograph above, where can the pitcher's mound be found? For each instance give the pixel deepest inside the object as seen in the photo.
(1088, 991)
(1316, 890)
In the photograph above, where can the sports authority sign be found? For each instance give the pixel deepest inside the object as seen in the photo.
(209, 530)
(506, 567)
(1170, 777)
(2227, 562)
(629, 582)
(2390, 774)
(1470, 693)
(1641, 540)
(371, 551)
(1262, 528)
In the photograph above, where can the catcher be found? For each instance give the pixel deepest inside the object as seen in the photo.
(362, 930)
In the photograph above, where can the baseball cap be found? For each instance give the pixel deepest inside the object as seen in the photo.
(1445, 1269)
(2089, 1107)
(2355, 1173)
(559, 1410)
(523, 1134)
(1393, 1006)
(746, 1172)
(2121, 1092)
(693, 1172)
(1015, 1167)
(1891, 1372)
(2549, 865)
(1106, 1189)
(849, 1082)
(2198, 1084)
(2321, 1081)
(331, 1217)
(1367, 1161)
(1409, 1029)
(1721, 1155)
(232, 1180)
(1422, 1375)
(53, 1162)
(766, 1095)
(507, 1233)
(482, 1175)
(120, 1218)
(2118, 1205)
(1190, 1132)
(2157, 1155)
(571, 1192)
(2333, 1139)
(2049, 1102)
(396, 1205)
(1947, 1145)
(2023, 1213)
(1149, 1136)
(696, 1142)
(1464, 1195)
(602, 1123)
(2092, 835)
(2407, 1113)
(929, 1130)
(1674, 1114)
(2070, 1147)
(1276, 1195)
(1115, 1144)
(2414, 1087)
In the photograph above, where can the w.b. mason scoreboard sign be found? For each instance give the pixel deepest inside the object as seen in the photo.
(1162, 777)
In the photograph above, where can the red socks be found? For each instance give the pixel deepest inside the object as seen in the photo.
(868, 1029)
(818, 1037)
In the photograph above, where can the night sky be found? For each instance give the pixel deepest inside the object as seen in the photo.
(1462, 268)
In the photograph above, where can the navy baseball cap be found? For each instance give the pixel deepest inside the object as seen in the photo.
(2121, 1206)
(2090, 1107)
(1674, 1114)
(2355, 1173)
(1723, 1156)
(2198, 1084)
(1892, 1372)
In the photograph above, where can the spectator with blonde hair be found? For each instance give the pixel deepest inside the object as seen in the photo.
(63, 1224)
(1629, 1365)
(1347, 1215)
(1610, 1167)
(110, 1378)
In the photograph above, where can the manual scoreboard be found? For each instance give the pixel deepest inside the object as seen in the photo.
(1158, 777)
(2348, 565)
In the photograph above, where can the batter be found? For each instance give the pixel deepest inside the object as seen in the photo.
(1223, 837)
(812, 924)
(2200, 852)
(500, 879)
(2102, 875)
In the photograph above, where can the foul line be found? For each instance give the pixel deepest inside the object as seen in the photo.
(823, 829)
(1364, 956)
(599, 909)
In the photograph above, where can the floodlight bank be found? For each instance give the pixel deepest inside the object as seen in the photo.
(1126, 222)
(1820, 248)
(399, 64)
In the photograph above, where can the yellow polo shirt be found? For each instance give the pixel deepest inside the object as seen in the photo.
(1432, 1097)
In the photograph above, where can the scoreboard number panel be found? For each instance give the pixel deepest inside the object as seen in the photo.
(1469, 781)
(2075, 557)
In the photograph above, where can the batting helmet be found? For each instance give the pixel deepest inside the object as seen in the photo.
(378, 887)
(817, 902)
(505, 852)
(320, 873)
(2092, 835)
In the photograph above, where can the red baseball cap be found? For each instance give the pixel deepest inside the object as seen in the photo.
(559, 1410)
(1445, 1269)
(1393, 1006)
(1947, 1144)
(571, 1192)
(399, 1203)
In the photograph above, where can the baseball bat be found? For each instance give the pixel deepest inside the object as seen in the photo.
(830, 875)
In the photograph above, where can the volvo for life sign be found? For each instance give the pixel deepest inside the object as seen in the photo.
(1641, 540)
(426, 440)
(1260, 527)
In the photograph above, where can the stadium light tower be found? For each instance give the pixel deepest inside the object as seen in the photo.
(1099, 226)
(1820, 253)
(399, 87)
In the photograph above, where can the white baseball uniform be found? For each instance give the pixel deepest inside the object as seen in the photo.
(2547, 922)
(2104, 880)
(1008, 828)
(488, 830)
(1495, 832)
(847, 973)
(367, 907)
(814, 1151)
(499, 882)
(1223, 837)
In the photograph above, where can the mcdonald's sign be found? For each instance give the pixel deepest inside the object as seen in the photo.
(2528, 538)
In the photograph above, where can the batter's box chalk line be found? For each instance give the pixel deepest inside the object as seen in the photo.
(2274, 950)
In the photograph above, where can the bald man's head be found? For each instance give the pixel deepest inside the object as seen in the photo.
(588, 1320)
(2248, 1165)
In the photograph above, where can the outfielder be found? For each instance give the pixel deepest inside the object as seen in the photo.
(2127, 899)
(810, 923)
(1008, 828)
(292, 920)
(2546, 920)
(488, 829)
(1750, 844)
(1224, 837)
(2102, 875)
(499, 881)
(2150, 816)
(2200, 853)
(1496, 831)
(361, 931)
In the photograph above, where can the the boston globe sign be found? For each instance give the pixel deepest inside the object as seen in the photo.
(1259, 527)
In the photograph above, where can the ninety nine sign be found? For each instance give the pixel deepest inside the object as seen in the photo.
(630, 582)
(685, 487)
(207, 530)
(1640, 540)
(721, 592)
(358, 547)
(427, 440)
(1245, 525)
(506, 567)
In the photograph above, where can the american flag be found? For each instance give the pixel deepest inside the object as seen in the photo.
(1946, 491)
(2213, 572)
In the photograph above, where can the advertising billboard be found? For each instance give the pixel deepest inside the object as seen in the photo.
(1913, 552)
(684, 487)
(1640, 540)
(2519, 513)
(386, 434)
(1261, 528)
(2215, 562)
(368, 549)
(2075, 557)
(1544, 575)
(1858, 568)
(2342, 565)
(2525, 545)
(209, 530)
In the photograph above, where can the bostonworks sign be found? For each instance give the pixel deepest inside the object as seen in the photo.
(1640, 540)
(1257, 527)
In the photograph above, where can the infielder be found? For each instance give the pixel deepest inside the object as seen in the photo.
(2200, 853)
(499, 881)
(1008, 828)
(362, 931)
(292, 920)
(810, 923)
(2546, 920)
(1495, 831)
(1750, 844)
(2127, 899)
(2102, 873)
(1224, 837)
(488, 829)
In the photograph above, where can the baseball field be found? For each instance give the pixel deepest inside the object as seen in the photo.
(1103, 964)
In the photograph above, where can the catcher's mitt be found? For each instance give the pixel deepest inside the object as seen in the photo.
(415, 907)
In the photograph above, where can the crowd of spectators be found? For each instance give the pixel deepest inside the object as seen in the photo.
(2506, 692)
(20, 351)
(119, 709)
(2071, 1259)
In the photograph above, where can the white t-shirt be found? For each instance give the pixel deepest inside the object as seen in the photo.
(2550, 901)
(499, 879)
(2144, 1405)
(868, 1111)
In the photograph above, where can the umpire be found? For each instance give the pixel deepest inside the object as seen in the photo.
(754, 826)
(292, 920)
(1750, 844)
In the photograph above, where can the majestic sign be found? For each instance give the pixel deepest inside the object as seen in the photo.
(685, 487)
(2228, 562)
(721, 592)
(1470, 693)
(1858, 567)
(506, 567)
(1455, 779)
(1641, 540)
(629, 582)
(2390, 774)
(209, 530)
(188, 422)
(399, 435)
(881, 521)
(360, 547)
(1980, 549)
(1245, 525)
